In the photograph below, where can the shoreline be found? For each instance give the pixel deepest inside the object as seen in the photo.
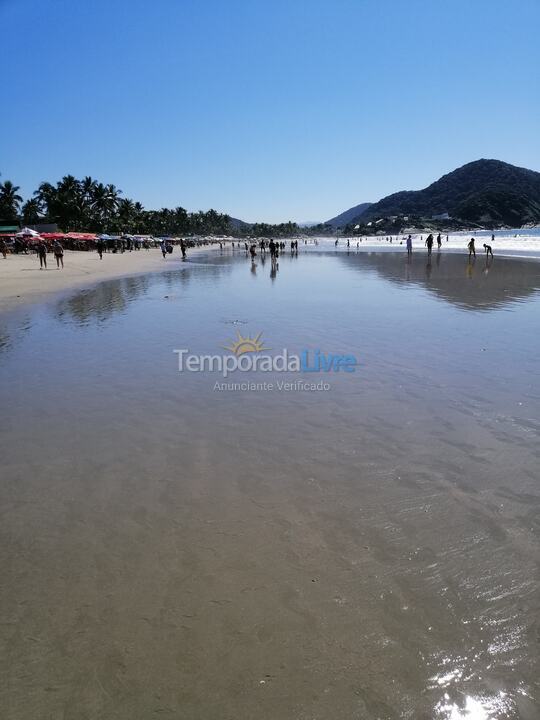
(22, 283)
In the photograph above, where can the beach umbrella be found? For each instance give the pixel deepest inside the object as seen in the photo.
(81, 236)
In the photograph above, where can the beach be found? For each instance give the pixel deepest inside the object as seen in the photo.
(270, 361)
(22, 281)
(172, 548)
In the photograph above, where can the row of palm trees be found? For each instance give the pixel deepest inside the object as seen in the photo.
(89, 205)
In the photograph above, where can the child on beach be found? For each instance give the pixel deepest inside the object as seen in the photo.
(488, 250)
(472, 251)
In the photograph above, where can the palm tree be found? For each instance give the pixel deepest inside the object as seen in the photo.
(31, 211)
(88, 185)
(105, 204)
(10, 201)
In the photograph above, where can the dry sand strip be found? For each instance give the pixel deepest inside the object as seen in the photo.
(22, 281)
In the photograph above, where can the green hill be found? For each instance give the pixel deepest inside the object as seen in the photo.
(484, 192)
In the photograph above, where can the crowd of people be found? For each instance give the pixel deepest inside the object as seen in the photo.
(264, 246)
(42, 247)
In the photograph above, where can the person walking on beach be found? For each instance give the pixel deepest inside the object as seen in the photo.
(58, 251)
(429, 243)
(409, 245)
(183, 248)
(439, 241)
(3, 248)
(472, 251)
(100, 245)
(42, 252)
(163, 247)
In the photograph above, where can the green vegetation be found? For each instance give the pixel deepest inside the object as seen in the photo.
(489, 193)
(282, 230)
(10, 202)
(88, 205)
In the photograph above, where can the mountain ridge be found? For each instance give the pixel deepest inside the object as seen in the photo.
(486, 191)
(347, 216)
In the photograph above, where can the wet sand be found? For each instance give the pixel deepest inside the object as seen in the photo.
(22, 281)
(366, 552)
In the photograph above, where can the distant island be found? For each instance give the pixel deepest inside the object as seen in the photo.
(484, 193)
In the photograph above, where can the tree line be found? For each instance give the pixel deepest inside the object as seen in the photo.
(88, 205)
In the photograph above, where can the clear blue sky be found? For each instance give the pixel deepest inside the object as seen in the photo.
(268, 110)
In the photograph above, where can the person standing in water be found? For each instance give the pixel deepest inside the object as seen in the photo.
(472, 251)
(58, 251)
(439, 241)
(409, 245)
(429, 243)
(42, 252)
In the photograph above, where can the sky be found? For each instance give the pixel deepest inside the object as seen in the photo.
(269, 110)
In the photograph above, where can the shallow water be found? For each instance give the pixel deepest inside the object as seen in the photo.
(367, 551)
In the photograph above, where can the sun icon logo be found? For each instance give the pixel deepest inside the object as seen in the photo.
(246, 344)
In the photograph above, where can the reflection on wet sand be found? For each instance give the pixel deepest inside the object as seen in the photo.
(371, 552)
(479, 284)
(109, 298)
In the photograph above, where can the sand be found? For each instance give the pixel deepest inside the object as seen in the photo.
(22, 281)
(371, 552)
